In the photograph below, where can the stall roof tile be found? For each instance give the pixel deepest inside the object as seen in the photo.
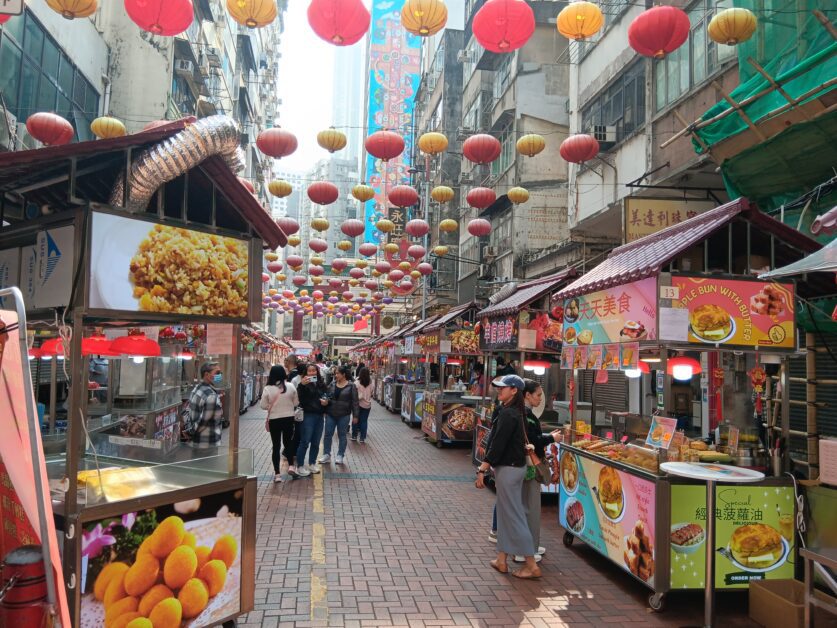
(526, 293)
(453, 313)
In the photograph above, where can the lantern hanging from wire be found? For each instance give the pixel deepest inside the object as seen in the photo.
(385, 225)
(659, 31)
(363, 192)
(344, 245)
(732, 26)
(518, 195)
(579, 20)
(318, 245)
(323, 192)
(294, 261)
(417, 228)
(441, 194)
(106, 127)
(416, 251)
(440, 250)
(270, 256)
(432, 143)
(367, 249)
(482, 148)
(320, 224)
(252, 13)
(391, 247)
(384, 145)
(288, 225)
(353, 227)
(294, 240)
(504, 25)
(448, 225)
(71, 9)
(276, 142)
(332, 140)
(531, 144)
(403, 196)
(424, 17)
(49, 129)
(480, 198)
(161, 17)
(339, 22)
(579, 148)
(479, 227)
(280, 188)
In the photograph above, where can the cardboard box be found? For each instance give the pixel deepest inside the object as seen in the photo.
(781, 604)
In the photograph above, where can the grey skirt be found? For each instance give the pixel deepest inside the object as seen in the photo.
(513, 535)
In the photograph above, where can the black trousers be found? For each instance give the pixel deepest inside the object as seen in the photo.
(283, 432)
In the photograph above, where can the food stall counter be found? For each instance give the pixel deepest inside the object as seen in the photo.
(449, 416)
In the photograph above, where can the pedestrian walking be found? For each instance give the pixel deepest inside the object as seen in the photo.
(313, 397)
(342, 406)
(202, 425)
(280, 399)
(364, 401)
(506, 454)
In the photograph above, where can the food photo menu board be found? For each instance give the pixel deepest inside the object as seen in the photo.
(754, 535)
(610, 510)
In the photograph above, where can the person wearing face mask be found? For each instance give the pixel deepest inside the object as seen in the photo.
(205, 410)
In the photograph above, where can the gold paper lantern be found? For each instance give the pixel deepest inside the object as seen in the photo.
(415, 274)
(271, 257)
(354, 283)
(432, 143)
(319, 224)
(294, 240)
(344, 245)
(448, 225)
(303, 293)
(272, 291)
(732, 26)
(391, 247)
(72, 9)
(316, 280)
(518, 195)
(385, 225)
(316, 260)
(361, 263)
(281, 277)
(440, 250)
(363, 192)
(441, 194)
(252, 13)
(531, 144)
(424, 17)
(387, 283)
(332, 140)
(376, 273)
(405, 266)
(279, 188)
(579, 20)
(106, 127)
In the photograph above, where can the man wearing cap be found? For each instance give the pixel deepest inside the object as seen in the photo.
(205, 410)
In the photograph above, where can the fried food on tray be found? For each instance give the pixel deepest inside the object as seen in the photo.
(639, 552)
(462, 419)
(569, 337)
(569, 471)
(756, 545)
(585, 337)
(769, 302)
(710, 322)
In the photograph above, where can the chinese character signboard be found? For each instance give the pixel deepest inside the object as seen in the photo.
(738, 312)
(626, 313)
(398, 216)
(429, 342)
(644, 216)
(497, 334)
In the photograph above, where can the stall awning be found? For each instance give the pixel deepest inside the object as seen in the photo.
(647, 256)
(301, 347)
(526, 293)
(452, 314)
(423, 325)
(823, 261)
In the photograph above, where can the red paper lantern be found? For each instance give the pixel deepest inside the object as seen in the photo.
(288, 225)
(338, 264)
(294, 261)
(416, 251)
(161, 17)
(317, 245)
(504, 25)
(353, 227)
(396, 275)
(403, 196)
(367, 249)
(299, 280)
(383, 266)
(274, 267)
(357, 273)
(323, 192)
(481, 198)
(659, 31)
(339, 22)
(247, 184)
(479, 227)
(371, 284)
(425, 268)
(579, 148)
(315, 270)
(384, 145)
(417, 228)
(482, 148)
(276, 142)
(49, 128)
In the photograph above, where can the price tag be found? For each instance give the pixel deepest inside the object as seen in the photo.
(669, 292)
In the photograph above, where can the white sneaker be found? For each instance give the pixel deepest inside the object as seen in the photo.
(293, 472)
(277, 477)
(522, 559)
(314, 468)
(541, 550)
(338, 460)
(324, 458)
(492, 536)
(303, 472)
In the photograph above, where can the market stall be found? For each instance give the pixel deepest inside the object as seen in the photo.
(119, 234)
(417, 373)
(396, 376)
(664, 310)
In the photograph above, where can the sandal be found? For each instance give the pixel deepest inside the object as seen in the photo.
(496, 566)
(529, 576)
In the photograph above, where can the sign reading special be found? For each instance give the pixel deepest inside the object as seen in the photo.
(754, 535)
(610, 510)
(626, 313)
(738, 312)
(140, 266)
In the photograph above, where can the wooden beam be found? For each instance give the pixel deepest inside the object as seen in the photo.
(740, 111)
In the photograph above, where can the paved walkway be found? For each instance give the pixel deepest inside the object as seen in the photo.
(398, 536)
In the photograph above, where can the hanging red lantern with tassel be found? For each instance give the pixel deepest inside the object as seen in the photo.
(579, 148)
(480, 198)
(276, 142)
(384, 145)
(161, 17)
(659, 31)
(49, 128)
(339, 22)
(504, 25)
(403, 196)
(479, 227)
(323, 192)
(481, 148)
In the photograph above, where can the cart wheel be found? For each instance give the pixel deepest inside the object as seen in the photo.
(657, 601)
(568, 539)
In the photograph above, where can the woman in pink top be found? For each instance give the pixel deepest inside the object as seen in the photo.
(364, 398)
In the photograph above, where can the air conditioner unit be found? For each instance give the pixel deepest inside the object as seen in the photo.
(605, 134)
(488, 253)
(8, 131)
(484, 270)
(184, 67)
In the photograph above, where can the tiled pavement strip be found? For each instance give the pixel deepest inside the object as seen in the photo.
(398, 536)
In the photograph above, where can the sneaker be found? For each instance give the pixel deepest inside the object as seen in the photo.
(303, 472)
(522, 559)
(362, 442)
(314, 468)
(492, 536)
(277, 477)
(292, 471)
(354, 438)
(324, 458)
(541, 550)
(338, 460)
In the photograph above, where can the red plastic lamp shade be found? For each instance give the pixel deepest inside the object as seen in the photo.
(481, 148)
(34, 352)
(384, 145)
(683, 367)
(161, 17)
(288, 225)
(3, 19)
(659, 31)
(538, 367)
(455, 362)
(323, 192)
(481, 198)
(579, 148)
(52, 347)
(504, 25)
(49, 128)
(479, 227)
(339, 22)
(136, 345)
(642, 367)
(353, 228)
(403, 196)
(276, 142)
(417, 228)
(367, 249)
(97, 345)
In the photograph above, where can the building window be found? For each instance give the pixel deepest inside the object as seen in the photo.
(470, 64)
(472, 119)
(436, 120)
(620, 109)
(36, 75)
(612, 12)
(470, 253)
(503, 76)
(507, 151)
(501, 232)
(696, 59)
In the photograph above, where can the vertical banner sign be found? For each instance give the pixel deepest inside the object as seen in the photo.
(394, 71)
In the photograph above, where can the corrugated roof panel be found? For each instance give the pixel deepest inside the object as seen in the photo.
(526, 293)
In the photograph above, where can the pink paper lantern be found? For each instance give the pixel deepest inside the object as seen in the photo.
(274, 267)
(479, 227)
(417, 228)
(318, 245)
(416, 251)
(357, 273)
(367, 249)
(425, 268)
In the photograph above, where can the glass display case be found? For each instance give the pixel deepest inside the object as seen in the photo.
(147, 398)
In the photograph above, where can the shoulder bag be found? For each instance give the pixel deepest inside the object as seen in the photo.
(542, 472)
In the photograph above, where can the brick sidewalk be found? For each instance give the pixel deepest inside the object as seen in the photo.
(398, 536)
